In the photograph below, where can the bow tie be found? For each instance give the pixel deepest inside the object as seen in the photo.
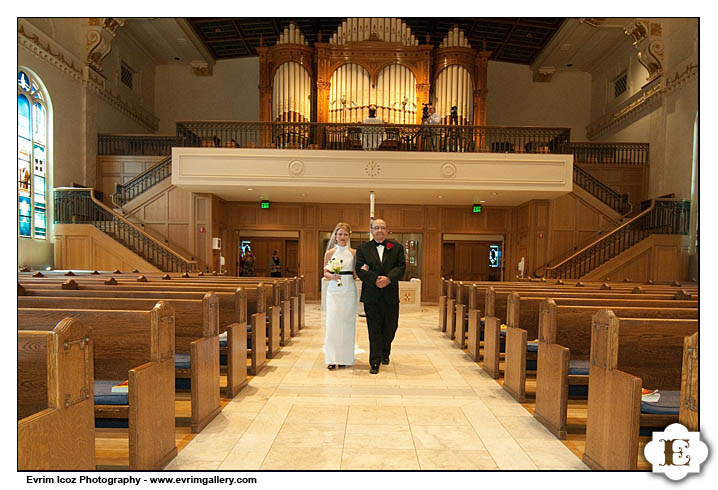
(379, 244)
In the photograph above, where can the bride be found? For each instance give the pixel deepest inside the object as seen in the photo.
(341, 300)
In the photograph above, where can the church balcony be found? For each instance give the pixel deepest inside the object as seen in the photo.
(321, 162)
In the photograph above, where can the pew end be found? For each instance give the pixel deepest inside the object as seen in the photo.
(55, 373)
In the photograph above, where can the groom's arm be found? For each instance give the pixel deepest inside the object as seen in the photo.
(397, 272)
(365, 276)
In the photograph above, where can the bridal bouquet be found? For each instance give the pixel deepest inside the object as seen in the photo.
(335, 266)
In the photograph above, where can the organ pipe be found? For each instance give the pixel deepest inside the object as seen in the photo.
(290, 93)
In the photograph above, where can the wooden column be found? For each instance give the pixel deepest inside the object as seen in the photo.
(481, 90)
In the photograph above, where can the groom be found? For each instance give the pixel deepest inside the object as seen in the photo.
(380, 266)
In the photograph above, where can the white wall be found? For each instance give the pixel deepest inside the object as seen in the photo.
(514, 99)
(231, 93)
(669, 126)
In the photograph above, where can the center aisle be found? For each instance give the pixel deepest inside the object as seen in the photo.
(431, 408)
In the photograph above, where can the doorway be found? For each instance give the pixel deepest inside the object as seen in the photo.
(262, 245)
(472, 257)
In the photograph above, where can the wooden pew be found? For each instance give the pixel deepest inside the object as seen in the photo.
(196, 334)
(294, 292)
(230, 311)
(137, 346)
(627, 354)
(565, 336)
(55, 409)
(255, 301)
(496, 307)
(575, 315)
(688, 415)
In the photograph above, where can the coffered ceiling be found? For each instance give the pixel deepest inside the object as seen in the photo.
(510, 39)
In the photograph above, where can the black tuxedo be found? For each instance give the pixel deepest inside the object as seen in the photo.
(381, 305)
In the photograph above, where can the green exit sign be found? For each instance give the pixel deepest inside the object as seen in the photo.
(264, 205)
(477, 208)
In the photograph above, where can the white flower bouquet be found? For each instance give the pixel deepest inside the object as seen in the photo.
(335, 266)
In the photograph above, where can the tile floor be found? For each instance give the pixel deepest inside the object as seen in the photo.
(432, 408)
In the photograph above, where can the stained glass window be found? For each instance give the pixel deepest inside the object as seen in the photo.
(31, 158)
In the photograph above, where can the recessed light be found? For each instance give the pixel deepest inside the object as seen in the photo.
(482, 201)
(303, 194)
(440, 197)
(494, 193)
(250, 189)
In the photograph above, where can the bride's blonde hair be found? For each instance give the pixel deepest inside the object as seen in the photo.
(333, 238)
(344, 226)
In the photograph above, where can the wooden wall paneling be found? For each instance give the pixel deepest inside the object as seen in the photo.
(78, 252)
(390, 214)
(329, 217)
(58, 251)
(353, 216)
(666, 260)
(431, 267)
(309, 263)
(247, 215)
(474, 222)
(496, 218)
(178, 203)
(178, 237)
(432, 218)
(452, 220)
(105, 260)
(310, 216)
(412, 218)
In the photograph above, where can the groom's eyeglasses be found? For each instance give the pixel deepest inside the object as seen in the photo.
(379, 228)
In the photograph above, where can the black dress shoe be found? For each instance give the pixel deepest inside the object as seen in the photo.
(374, 369)
(332, 367)
(385, 361)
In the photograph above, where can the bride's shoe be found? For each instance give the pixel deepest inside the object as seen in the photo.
(332, 367)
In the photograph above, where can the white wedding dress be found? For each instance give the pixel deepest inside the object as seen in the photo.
(341, 313)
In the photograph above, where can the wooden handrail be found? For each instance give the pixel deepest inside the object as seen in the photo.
(142, 174)
(126, 221)
(639, 215)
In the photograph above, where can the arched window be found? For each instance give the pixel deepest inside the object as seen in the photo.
(32, 126)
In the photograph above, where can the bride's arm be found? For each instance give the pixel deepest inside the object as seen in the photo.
(328, 275)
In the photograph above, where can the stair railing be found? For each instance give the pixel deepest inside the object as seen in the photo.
(614, 200)
(663, 216)
(142, 182)
(80, 206)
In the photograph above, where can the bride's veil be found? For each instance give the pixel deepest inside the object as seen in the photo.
(333, 239)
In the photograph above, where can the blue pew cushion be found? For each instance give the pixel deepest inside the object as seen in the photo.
(532, 346)
(104, 395)
(668, 404)
(577, 367)
(223, 339)
(182, 361)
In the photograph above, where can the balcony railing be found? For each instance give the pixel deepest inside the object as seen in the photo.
(356, 136)
(135, 144)
(79, 206)
(140, 183)
(663, 216)
(607, 153)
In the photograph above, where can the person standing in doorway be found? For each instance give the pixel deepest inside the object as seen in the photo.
(275, 266)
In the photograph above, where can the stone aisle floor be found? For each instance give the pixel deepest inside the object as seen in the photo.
(431, 408)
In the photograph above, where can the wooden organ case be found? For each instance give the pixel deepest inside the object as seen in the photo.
(371, 61)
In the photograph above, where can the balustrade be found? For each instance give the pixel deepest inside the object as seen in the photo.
(664, 216)
(79, 206)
